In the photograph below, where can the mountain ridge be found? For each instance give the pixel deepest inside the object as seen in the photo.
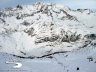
(40, 29)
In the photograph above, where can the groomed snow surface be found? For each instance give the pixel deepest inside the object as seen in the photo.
(47, 38)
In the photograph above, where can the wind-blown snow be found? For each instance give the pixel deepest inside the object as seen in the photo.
(42, 29)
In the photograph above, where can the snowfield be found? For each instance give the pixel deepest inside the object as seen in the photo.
(48, 38)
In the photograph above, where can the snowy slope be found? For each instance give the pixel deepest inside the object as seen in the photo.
(83, 60)
(42, 29)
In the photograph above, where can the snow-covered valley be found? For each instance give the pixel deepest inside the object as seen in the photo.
(48, 38)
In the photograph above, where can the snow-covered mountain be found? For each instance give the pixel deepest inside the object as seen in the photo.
(47, 38)
(43, 29)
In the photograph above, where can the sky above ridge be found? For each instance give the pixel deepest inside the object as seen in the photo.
(91, 4)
